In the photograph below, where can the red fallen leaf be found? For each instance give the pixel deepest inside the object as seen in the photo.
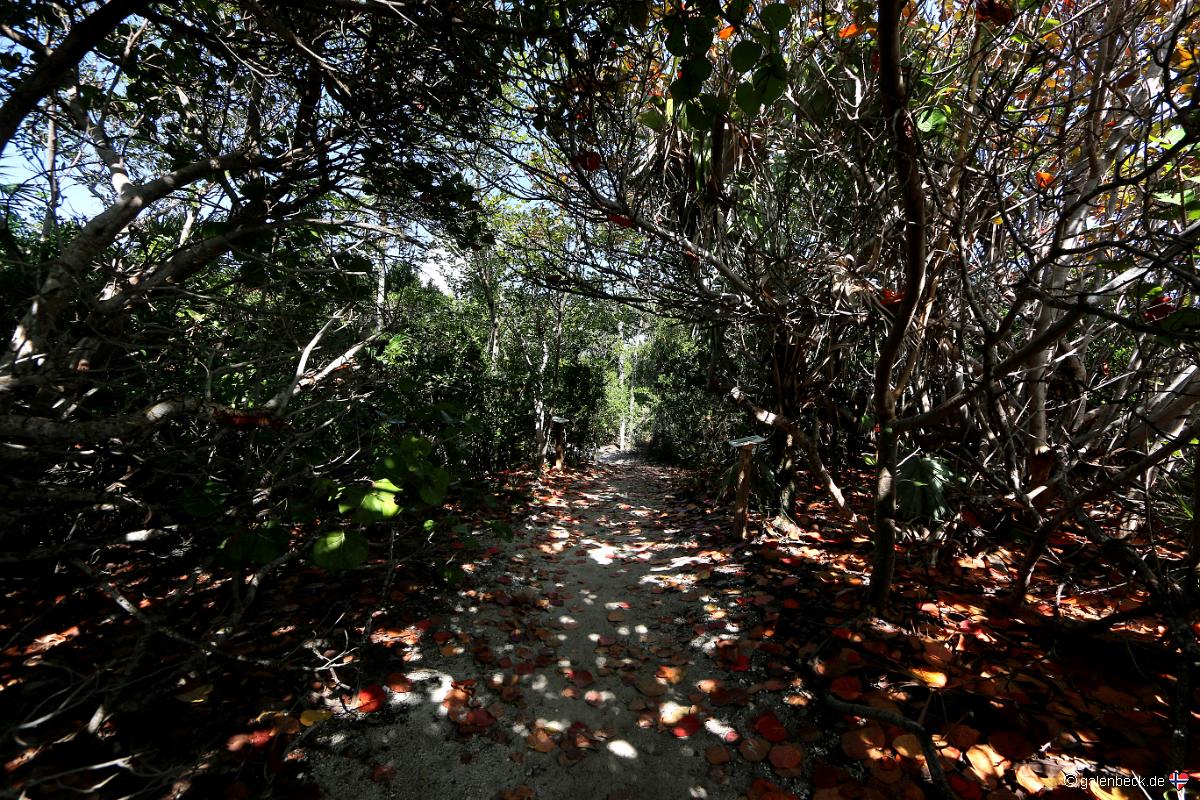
(261, 738)
(617, 219)
(825, 776)
(398, 682)
(791, 604)
(383, 773)
(786, 756)
(369, 699)
(769, 726)
(996, 11)
(763, 789)
(476, 720)
(890, 297)
(846, 687)
(687, 726)
(580, 677)
(966, 789)
(1011, 745)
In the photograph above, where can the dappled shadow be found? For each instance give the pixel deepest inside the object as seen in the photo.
(595, 663)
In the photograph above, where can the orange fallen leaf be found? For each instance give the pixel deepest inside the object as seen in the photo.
(540, 741)
(369, 699)
(846, 687)
(908, 745)
(786, 756)
(930, 677)
(850, 31)
(1044, 179)
(726, 32)
(860, 742)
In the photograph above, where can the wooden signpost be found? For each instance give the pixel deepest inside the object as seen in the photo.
(741, 502)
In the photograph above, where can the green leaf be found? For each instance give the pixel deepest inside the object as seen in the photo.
(745, 54)
(696, 118)
(677, 42)
(654, 119)
(683, 89)
(770, 83)
(257, 546)
(340, 550)
(697, 70)
(368, 505)
(775, 17)
(434, 492)
(748, 98)
(700, 35)
(932, 120)
(205, 501)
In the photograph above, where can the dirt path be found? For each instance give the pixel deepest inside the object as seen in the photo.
(591, 666)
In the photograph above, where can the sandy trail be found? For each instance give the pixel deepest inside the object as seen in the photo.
(588, 654)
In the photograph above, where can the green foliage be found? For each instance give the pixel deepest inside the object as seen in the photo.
(337, 550)
(922, 483)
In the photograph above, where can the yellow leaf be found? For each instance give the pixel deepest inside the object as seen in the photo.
(314, 715)
(930, 677)
(197, 695)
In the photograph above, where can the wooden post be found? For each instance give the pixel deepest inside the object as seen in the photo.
(741, 502)
(560, 441)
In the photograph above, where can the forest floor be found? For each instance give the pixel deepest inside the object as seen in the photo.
(621, 646)
(576, 672)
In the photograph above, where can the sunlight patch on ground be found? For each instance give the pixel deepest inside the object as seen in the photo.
(622, 749)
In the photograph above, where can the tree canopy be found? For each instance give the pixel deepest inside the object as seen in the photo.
(293, 288)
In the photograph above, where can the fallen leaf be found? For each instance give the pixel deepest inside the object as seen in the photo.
(651, 687)
(197, 695)
(369, 699)
(786, 756)
(717, 754)
(859, 743)
(754, 749)
(908, 745)
(314, 715)
(769, 726)
(398, 682)
(687, 726)
(540, 741)
(930, 677)
(1012, 745)
(847, 687)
